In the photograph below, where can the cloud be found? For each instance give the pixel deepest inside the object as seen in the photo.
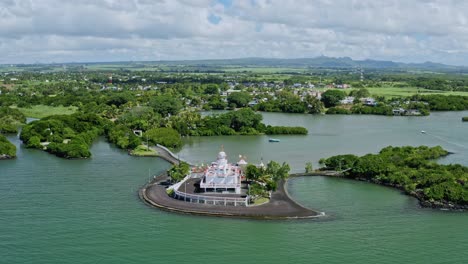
(116, 30)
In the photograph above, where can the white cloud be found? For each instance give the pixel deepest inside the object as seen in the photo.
(116, 30)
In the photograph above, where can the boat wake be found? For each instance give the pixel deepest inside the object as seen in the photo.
(444, 140)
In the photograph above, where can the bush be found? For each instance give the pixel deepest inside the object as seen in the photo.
(332, 97)
(338, 111)
(178, 171)
(165, 136)
(80, 129)
(283, 130)
(6, 147)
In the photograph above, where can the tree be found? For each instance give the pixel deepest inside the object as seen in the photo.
(361, 93)
(166, 105)
(216, 102)
(332, 97)
(314, 105)
(240, 99)
(178, 171)
(276, 171)
(6, 147)
(252, 172)
(308, 167)
(165, 136)
(211, 89)
(244, 118)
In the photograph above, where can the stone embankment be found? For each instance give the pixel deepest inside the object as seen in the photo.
(280, 206)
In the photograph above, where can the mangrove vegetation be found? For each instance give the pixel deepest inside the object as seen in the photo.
(412, 169)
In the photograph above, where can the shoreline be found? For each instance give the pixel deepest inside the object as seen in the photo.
(441, 205)
(6, 157)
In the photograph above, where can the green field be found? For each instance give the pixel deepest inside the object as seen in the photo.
(143, 151)
(390, 91)
(263, 69)
(41, 111)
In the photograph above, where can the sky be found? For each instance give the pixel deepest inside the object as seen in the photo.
(58, 31)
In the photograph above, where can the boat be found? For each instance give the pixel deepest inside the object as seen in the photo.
(423, 132)
(273, 140)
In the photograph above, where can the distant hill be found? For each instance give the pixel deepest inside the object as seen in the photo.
(318, 62)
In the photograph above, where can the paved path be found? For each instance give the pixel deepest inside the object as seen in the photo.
(167, 155)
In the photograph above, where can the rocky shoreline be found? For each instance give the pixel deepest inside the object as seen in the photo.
(443, 205)
(6, 157)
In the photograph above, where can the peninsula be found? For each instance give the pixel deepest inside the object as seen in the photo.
(225, 189)
(411, 169)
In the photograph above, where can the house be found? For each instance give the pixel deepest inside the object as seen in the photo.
(254, 102)
(413, 112)
(369, 101)
(347, 100)
(398, 111)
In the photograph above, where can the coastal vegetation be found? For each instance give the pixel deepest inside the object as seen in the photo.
(67, 136)
(240, 122)
(411, 169)
(309, 167)
(7, 149)
(178, 171)
(265, 179)
(165, 136)
(10, 120)
(143, 151)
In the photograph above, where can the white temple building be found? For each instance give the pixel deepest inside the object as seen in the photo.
(221, 175)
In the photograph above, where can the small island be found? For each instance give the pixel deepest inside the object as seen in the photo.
(226, 189)
(465, 119)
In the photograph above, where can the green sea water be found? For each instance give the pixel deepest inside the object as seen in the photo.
(87, 211)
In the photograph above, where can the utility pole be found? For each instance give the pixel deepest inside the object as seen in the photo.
(147, 143)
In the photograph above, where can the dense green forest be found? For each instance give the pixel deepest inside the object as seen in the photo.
(444, 103)
(67, 136)
(410, 168)
(7, 149)
(10, 120)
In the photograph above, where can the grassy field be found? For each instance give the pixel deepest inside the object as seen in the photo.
(261, 200)
(263, 69)
(41, 111)
(143, 151)
(390, 91)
